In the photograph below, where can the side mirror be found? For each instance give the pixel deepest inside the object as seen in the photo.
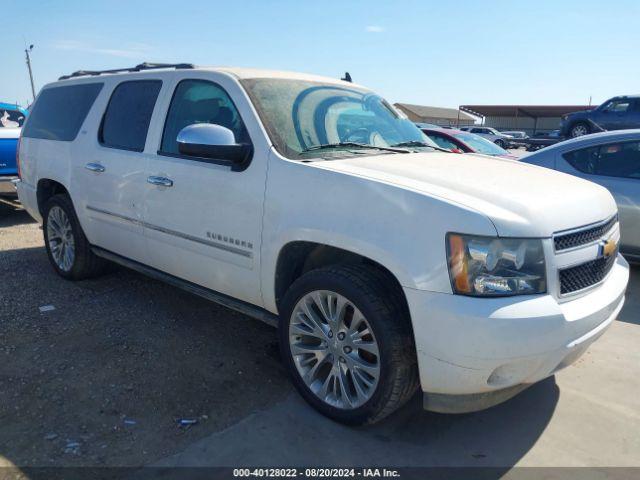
(207, 140)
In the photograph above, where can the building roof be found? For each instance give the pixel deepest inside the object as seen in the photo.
(434, 112)
(535, 111)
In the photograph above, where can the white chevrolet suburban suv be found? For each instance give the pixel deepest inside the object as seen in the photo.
(312, 204)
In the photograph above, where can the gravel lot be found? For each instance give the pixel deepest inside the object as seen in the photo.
(105, 378)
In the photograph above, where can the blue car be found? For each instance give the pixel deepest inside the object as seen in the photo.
(617, 113)
(11, 119)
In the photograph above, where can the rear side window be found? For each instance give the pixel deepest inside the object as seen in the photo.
(611, 160)
(126, 120)
(60, 111)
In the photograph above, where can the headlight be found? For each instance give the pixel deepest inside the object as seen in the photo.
(491, 266)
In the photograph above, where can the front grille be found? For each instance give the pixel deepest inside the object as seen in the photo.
(586, 274)
(582, 237)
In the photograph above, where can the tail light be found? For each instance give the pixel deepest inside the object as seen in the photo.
(18, 158)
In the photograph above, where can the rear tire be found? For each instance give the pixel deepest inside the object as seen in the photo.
(365, 387)
(67, 246)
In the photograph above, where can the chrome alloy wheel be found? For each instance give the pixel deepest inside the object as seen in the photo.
(60, 239)
(334, 349)
(578, 131)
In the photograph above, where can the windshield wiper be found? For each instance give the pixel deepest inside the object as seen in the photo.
(416, 143)
(354, 145)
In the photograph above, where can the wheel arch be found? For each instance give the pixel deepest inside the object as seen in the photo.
(298, 257)
(47, 188)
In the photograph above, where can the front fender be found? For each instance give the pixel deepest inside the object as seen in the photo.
(403, 230)
(358, 246)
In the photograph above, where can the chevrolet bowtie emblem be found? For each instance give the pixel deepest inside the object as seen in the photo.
(609, 248)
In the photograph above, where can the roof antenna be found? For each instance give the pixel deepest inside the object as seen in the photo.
(346, 78)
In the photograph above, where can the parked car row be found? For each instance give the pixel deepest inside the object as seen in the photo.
(499, 138)
(388, 263)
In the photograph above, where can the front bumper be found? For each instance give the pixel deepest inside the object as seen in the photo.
(488, 349)
(8, 185)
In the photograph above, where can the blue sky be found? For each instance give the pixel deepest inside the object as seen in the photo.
(441, 53)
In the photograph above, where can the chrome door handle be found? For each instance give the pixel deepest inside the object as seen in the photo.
(160, 181)
(94, 167)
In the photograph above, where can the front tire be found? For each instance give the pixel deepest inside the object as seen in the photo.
(67, 247)
(346, 339)
(579, 129)
(501, 143)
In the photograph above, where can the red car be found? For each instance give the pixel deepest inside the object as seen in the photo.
(465, 142)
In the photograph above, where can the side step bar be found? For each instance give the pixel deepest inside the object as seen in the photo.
(224, 300)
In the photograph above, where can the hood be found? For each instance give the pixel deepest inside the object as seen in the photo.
(579, 114)
(521, 200)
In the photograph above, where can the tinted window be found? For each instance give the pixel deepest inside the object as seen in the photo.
(442, 141)
(480, 144)
(200, 101)
(612, 160)
(619, 160)
(618, 106)
(59, 111)
(128, 114)
(11, 118)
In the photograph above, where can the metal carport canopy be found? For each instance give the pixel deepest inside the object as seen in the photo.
(533, 111)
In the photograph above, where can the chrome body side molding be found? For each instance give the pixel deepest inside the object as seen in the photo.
(209, 243)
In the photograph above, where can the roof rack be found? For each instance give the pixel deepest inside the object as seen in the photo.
(137, 68)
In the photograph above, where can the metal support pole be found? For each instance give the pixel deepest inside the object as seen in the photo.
(33, 88)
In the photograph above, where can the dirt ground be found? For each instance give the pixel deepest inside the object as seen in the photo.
(106, 377)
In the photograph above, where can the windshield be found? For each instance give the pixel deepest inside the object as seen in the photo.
(480, 144)
(300, 115)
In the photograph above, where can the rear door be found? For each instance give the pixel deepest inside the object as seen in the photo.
(110, 169)
(204, 224)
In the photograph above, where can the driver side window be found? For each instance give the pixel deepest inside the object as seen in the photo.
(200, 101)
(618, 106)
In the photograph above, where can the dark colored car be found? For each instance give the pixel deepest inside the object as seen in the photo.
(617, 113)
(465, 142)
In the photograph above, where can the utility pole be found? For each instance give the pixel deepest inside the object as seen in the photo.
(33, 89)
